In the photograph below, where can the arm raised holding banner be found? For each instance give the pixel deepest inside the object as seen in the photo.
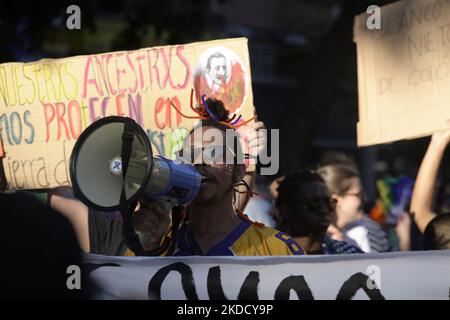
(423, 193)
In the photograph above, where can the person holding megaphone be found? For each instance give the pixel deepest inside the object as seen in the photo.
(183, 208)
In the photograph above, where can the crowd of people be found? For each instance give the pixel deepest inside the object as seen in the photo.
(318, 211)
(306, 211)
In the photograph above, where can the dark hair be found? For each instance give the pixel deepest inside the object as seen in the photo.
(213, 56)
(437, 233)
(337, 177)
(290, 187)
(219, 111)
(297, 223)
(334, 157)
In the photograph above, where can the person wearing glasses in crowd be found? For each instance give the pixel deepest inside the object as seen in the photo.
(349, 222)
(305, 209)
(211, 224)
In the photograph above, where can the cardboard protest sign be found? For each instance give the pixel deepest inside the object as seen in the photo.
(403, 71)
(45, 105)
(402, 275)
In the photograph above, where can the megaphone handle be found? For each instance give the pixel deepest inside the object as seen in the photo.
(177, 218)
(129, 234)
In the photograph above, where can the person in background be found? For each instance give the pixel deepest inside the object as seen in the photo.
(443, 196)
(434, 227)
(337, 157)
(344, 184)
(305, 207)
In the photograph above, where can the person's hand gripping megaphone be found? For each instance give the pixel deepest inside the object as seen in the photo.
(151, 221)
(112, 166)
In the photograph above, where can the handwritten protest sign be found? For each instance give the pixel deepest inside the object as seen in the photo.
(403, 71)
(45, 105)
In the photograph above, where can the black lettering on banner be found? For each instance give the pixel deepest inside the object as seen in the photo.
(214, 284)
(249, 289)
(296, 283)
(187, 281)
(354, 283)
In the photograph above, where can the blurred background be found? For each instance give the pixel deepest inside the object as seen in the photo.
(303, 63)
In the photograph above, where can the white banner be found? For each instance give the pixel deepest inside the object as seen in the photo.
(408, 275)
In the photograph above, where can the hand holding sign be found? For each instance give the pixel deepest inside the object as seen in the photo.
(254, 141)
(441, 137)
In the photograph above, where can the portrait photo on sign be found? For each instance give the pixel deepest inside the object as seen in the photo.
(220, 73)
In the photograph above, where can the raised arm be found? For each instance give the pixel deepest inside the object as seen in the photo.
(423, 193)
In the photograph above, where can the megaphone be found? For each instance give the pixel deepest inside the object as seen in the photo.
(96, 168)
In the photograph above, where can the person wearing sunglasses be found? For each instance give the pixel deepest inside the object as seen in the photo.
(305, 208)
(344, 184)
(211, 225)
